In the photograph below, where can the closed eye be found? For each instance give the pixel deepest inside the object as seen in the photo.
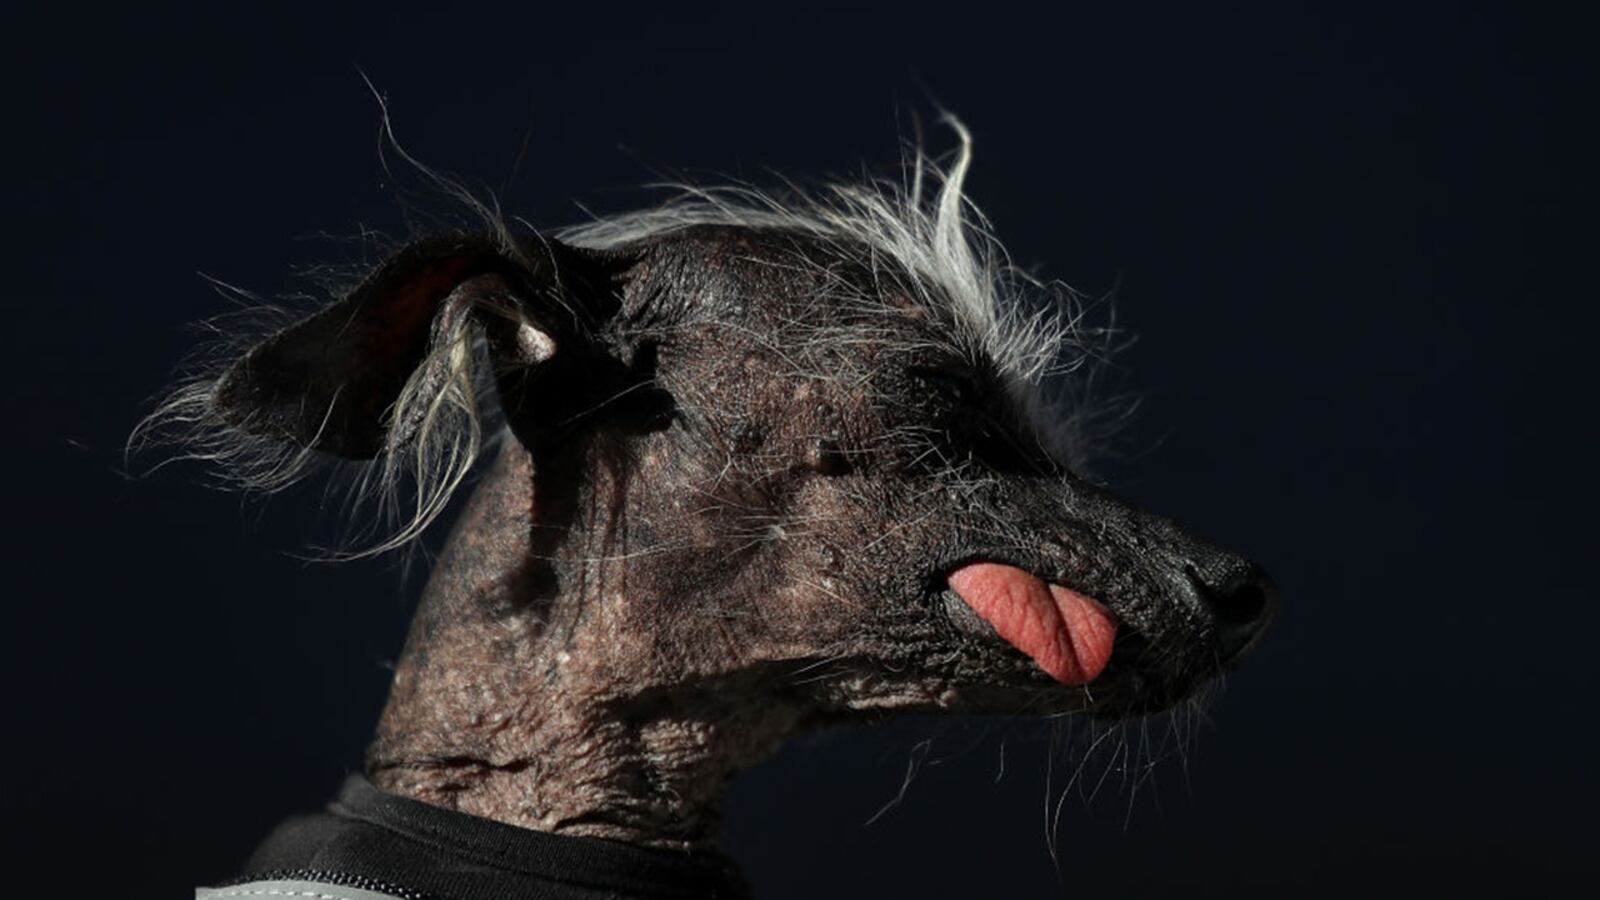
(956, 384)
(983, 427)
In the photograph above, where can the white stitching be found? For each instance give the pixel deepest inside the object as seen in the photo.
(276, 892)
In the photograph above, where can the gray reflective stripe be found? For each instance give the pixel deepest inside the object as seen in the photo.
(305, 890)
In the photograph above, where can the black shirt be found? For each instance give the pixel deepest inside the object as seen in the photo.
(409, 849)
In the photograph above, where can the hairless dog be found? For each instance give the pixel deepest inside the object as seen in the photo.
(760, 465)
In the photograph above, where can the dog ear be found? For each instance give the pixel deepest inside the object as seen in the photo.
(334, 380)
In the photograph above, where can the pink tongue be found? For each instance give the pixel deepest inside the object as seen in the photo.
(1068, 634)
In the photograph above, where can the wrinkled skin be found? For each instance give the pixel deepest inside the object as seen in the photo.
(740, 470)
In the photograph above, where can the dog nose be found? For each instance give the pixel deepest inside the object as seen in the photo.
(1241, 604)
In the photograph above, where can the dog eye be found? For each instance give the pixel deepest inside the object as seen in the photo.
(956, 384)
(980, 427)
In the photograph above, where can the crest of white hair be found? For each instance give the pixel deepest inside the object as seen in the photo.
(1034, 332)
(944, 243)
(1030, 330)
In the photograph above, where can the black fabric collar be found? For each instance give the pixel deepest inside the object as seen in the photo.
(438, 853)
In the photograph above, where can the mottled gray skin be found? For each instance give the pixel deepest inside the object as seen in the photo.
(724, 514)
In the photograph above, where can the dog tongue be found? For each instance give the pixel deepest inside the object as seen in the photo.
(1068, 634)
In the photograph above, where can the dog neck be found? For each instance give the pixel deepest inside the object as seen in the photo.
(524, 698)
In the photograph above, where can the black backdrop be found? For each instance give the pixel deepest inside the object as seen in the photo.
(1353, 245)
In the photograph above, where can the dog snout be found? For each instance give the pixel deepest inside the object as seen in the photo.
(1241, 602)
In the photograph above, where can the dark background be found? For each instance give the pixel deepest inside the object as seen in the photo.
(1355, 247)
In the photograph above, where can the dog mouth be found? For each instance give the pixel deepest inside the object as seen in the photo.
(1066, 633)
